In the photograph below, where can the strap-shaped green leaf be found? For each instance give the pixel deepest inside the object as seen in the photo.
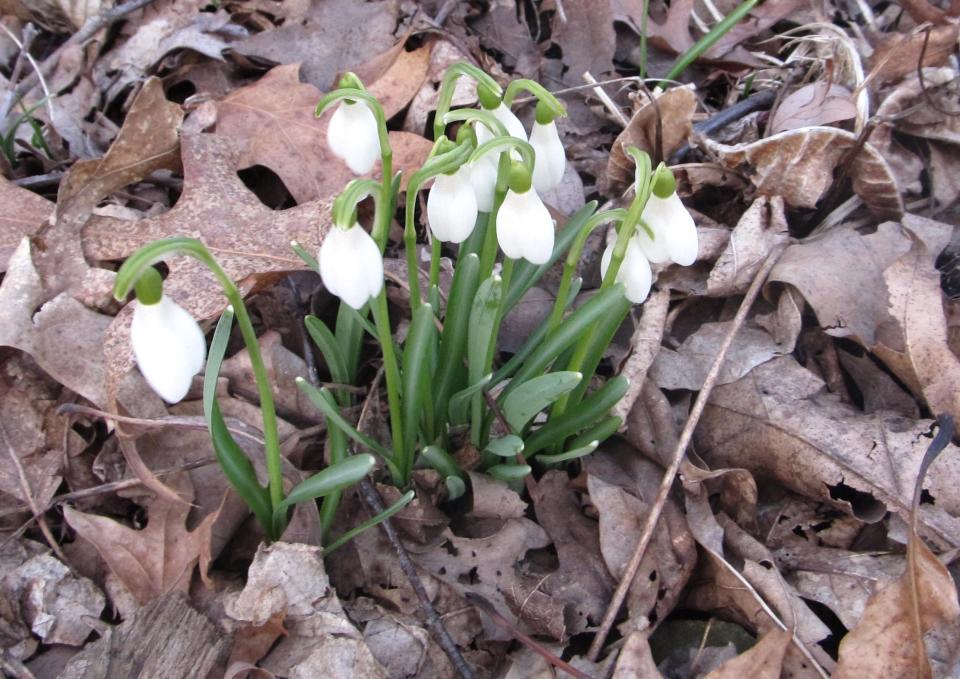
(453, 340)
(459, 411)
(334, 478)
(404, 500)
(324, 401)
(506, 446)
(594, 407)
(416, 374)
(349, 333)
(483, 316)
(509, 472)
(455, 487)
(233, 461)
(327, 343)
(536, 394)
(525, 274)
(307, 258)
(599, 432)
(439, 459)
(579, 322)
(570, 454)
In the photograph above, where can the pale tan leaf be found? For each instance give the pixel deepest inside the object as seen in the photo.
(888, 641)
(799, 165)
(23, 213)
(763, 661)
(819, 103)
(762, 227)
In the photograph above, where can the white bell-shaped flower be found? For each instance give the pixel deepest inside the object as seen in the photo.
(352, 135)
(551, 160)
(634, 271)
(483, 179)
(169, 347)
(676, 234)
(524, 227)
(452, 206)
(350, 265)
(509, 120)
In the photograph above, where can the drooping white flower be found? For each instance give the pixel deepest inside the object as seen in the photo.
(352, 135)
(509, 120)
(634, 271)
(350, 265)
(483, 178)
(550, 157)
(676, 234)
(169, 347)
(452, 206)
(524, 227)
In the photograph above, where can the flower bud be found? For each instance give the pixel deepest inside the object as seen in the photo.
(169, 347)
(525, 228)
(353, 136)
(350, 265)
(452, 206)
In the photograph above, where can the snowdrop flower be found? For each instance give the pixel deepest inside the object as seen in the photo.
(452, 206)
(634, 271)
(671, 223)
(509, 120)
(551, 159)
(483, 178)
(350, 265)
(353, 136)
(168, 345)
(524, 226)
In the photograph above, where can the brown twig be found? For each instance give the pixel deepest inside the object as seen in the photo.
(666, 483)
(488, 608)
(90, 28)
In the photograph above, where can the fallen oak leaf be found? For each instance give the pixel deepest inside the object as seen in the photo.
(161, 557)
(24, 212)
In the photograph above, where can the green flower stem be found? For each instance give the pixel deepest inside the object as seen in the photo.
(708, 41)
(586, 345)
(448, 86)
(573, 258)
(381, 318)
(469, 115)
(544, 97)
(159, 250)
(488, 252)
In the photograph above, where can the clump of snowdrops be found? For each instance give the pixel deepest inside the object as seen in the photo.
(452, 403)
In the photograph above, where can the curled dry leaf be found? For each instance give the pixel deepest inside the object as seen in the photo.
(161, 557)
(762, 227)
(676, 109)
(779, 423)
(888, 639)
(799, 166)
(288, 582)
(56, 603)
(819, 103)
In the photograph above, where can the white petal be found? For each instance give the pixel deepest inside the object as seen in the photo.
(634, 271)
(483, 178)
(352, 136)
(525, 228)
(169, 347)
(550, 159)
(510, 121)
(452, 206)
(350, 265)
(680, 232)
(655, 249)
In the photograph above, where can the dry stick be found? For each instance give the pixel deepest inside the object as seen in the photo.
(678, 454)
(90, 28)
(605, 99)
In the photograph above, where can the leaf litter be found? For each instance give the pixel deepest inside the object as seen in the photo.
(792, 522)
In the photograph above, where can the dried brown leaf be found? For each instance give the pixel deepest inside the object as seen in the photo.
(763, 661)
(586, 37)
(161, 557)
(819, 103)
(779, 423)
(29, 470)
(762, 227)
(677, 107)
(401, 80)
(23, 213)
(635, 660)
(799, 166)
(888, 640)
(897, 54)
